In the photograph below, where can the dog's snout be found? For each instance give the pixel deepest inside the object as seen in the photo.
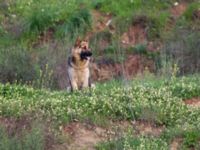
(85, 54)
(85, 49)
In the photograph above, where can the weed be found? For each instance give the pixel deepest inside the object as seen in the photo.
(182, 49)
(190, 12)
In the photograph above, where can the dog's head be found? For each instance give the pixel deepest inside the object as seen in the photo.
(82, 48)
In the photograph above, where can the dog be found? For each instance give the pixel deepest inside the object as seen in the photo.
(78, 65)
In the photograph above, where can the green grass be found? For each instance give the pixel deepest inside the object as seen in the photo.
(146, 100)
(188, 18)
(35, 17)
(27, 140)
(126, 12)
(152, 99)
(128, 8)
(189, 14)
(67, 17)
(134, 143)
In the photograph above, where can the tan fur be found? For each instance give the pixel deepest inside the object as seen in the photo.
(78, 69)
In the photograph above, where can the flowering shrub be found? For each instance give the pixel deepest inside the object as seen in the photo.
(134, 143)
(186, 87)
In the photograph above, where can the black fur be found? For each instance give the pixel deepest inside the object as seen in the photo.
(85, 54)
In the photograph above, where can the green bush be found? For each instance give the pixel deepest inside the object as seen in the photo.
(38, 16)
(190, 19)
(140, 49)
(16, 64)
(156, 25)
(191, 138)
(77, 23)
(189, 133)
(189, 14)
(182, 48)
(133, 143)
(185, 89)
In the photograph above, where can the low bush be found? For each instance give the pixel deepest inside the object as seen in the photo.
(182, 48)
(16, 64)
(189, 14)
(134, 143)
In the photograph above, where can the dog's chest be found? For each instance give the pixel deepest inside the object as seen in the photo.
(81, 75)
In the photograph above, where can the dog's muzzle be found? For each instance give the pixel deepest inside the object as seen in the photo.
(85, 54)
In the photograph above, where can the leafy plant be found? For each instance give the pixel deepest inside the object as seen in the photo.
(133, 143)
(190, 12)
(191, 138)
(77, 23)
(14, 64)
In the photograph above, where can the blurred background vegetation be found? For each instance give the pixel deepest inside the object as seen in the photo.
(36, 36)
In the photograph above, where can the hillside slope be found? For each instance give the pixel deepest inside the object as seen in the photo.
(145, 112)
(126, 37)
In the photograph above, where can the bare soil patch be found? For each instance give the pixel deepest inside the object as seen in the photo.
(178, 9)
(136, 34)
(175, 143)
(194, 102)
(80, 136)
(133, 65)
(102, 21)
(147, 128)
(18, 126)
(83, 136)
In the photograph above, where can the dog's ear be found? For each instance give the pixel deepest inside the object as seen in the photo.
(78, 42)
(86, 42)
(86, 39)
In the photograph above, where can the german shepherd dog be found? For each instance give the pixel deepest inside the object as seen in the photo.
(78, 65)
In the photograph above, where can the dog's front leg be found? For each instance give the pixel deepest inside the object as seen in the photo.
(86, 79)
(74, 86)
(86, 83)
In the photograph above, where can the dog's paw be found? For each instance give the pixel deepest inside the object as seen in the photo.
(93, 86)
(68, 89)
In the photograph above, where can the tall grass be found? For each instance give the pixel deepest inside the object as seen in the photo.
(29, 140)
(38, 16)
(16, 64)
(183, 49)
(43, 66)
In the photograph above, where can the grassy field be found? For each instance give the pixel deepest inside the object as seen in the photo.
(158, 101)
